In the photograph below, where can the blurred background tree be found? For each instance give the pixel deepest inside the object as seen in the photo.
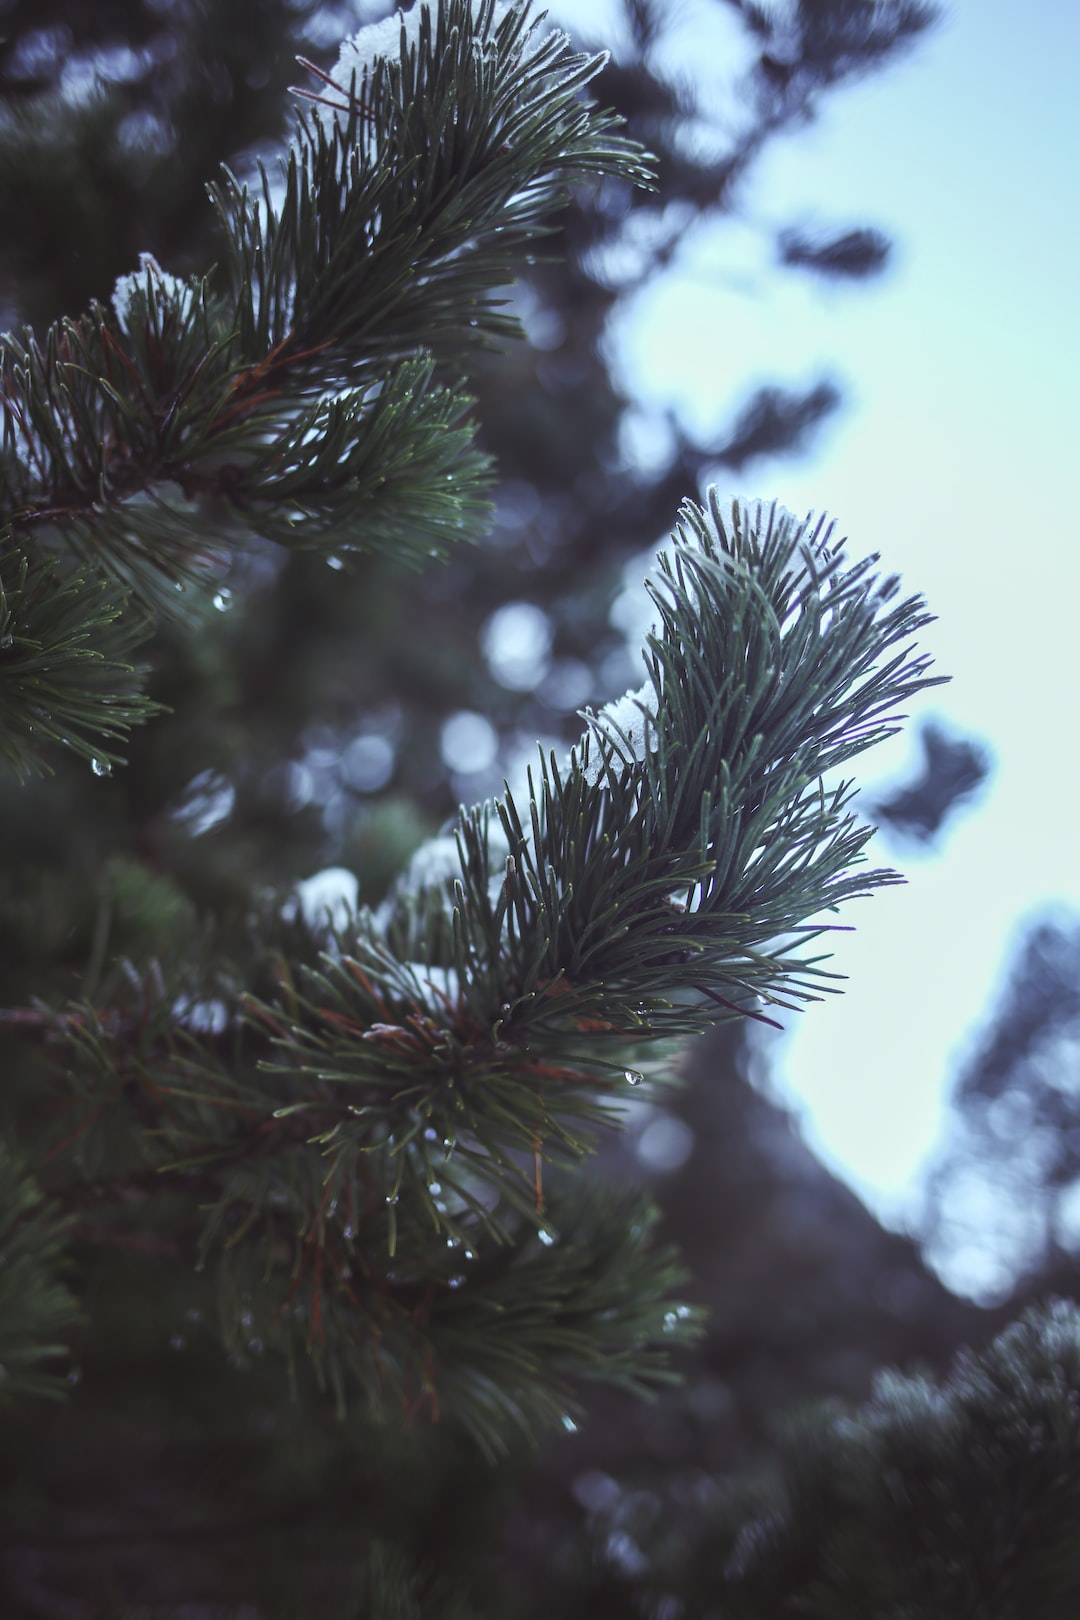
(333, 718)
(1003, 1198)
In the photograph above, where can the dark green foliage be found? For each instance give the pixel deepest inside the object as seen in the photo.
(417, 1077)
(951, 1502)
(395, 1589)
(373, 1159)
(64, 675)
(38, 1312)
(719, 835)
(292, 396)
(113, 117)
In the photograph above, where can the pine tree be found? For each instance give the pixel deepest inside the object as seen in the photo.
(357, 1137)
(1003, 1191)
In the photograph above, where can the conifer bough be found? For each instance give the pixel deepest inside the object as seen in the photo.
(373, 1136)
(309, 390)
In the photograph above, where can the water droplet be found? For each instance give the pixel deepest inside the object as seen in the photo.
(347, 1233)
(335, 563)
(391, 1198)
(101, 767)
(7, 641)
(431, 1135)
(470, 1254)
(434, 1187)
(455, 1282)
(568, 1424)
(633, 1077)
(223, 600)
(547, 1236)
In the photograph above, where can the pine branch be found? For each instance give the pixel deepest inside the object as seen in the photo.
(496, 1342)
(488, 1315)
(394, 225)
(293, 395)
(355, 1122)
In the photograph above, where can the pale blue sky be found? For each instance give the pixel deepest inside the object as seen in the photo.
(955, 459)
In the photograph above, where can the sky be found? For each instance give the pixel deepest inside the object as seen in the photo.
(952, 459)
